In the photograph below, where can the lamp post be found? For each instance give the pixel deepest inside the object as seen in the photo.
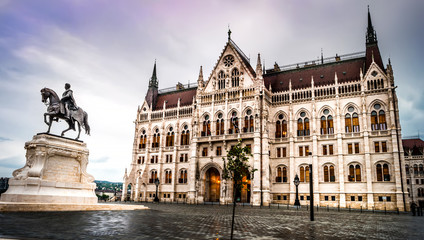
(157, 185)
(296, 183)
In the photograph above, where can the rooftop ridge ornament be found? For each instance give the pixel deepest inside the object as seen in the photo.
(229, 33)
(64, 108)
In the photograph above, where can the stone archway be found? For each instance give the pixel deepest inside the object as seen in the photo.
(212, 185)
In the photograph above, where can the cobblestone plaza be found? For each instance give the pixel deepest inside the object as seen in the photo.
(172, 221)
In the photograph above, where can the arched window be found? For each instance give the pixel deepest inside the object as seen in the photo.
(153, 176)
(407, 169)
(234, 124)
(170, 137)
(248, 121)
(156, 139)
(206, 127)
(329, 173)
(168, 176)
(327, 123)
(143, 140)
(303, 125)
(304, 174)
(281, 127)
(281, 174)
(421, 169)
(351, 121)
(235, 78)
(378, 121)
(383, 172)
(183, 176)
(221, 80)
(220, 125)
(185, 136)
(415, 169)
(354, 173)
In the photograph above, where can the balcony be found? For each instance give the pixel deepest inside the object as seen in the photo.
(379, 133)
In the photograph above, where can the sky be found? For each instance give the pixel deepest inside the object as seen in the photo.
(106, 51)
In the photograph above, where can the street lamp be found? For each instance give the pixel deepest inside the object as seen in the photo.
(296, 183)
(157, 185)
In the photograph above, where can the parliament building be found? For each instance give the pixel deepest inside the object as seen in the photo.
(339, 114)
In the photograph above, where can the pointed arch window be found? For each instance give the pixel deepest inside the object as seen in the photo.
(303, 125)
(281, 174)
(351, 121)
(327, 123)
(354, 173)
(156, 139)
(185, 136)
(143, 140)
(382, 172)
(221, 80)
(170, 137)
(248, 121)
(220, 125)
(183, 176)
(407, 169)
(168, 176)
(235, 78)
(281, 127)
(206, 127)
(378, 118)
(153, 176)
(329, 175)
(415, 169)
(304, 173)
(234, 123)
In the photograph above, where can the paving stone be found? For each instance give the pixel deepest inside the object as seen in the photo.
(172, 221)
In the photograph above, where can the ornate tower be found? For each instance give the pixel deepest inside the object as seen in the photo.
(152, 93)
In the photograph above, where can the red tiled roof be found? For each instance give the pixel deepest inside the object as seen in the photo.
(171, 98)
(410, 143)
(370, 51)
(348, 70)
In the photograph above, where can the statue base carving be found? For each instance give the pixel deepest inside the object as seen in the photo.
(55, 172)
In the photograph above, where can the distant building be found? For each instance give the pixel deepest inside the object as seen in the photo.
(344, 110)
(414, 167)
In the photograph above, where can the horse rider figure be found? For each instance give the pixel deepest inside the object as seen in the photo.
(68, 103)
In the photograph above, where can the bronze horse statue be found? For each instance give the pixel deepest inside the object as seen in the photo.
(54, 112)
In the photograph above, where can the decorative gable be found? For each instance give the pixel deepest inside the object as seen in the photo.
(232, 70)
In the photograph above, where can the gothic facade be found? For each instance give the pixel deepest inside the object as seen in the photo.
(339, 114)
(414, 168)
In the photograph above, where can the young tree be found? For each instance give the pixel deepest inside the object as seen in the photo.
(236, 167)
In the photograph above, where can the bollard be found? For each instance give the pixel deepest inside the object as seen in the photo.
(278, 206)
(349, 208)
(361, 208)
(287, 206)
(307, 206)
(397, 209)
(372, 209)
(269, 206)
(338, 208)
(328, 209)
(317, 208)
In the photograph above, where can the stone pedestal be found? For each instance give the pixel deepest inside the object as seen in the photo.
(55, 172)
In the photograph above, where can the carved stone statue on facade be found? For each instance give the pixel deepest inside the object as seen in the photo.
(65, 109)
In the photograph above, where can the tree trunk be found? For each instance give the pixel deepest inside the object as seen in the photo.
(234, 210)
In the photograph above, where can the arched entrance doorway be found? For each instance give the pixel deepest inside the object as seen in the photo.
(243, 195)
(212, 185)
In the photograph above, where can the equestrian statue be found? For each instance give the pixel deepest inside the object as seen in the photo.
(64, 108)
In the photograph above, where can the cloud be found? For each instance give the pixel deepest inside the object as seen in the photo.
(3, 139)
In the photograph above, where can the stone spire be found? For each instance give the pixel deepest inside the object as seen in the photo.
(259, 70)
(154, 80)
(152, 92)
(371, 33)
(200, 82)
